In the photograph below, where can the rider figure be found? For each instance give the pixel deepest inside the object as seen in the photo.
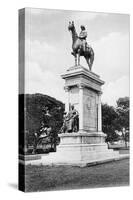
(83, 36)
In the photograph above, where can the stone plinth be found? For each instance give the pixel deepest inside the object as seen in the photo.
(82, 138)
(81, 149)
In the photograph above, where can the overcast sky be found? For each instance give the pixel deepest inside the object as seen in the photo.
(48, 51)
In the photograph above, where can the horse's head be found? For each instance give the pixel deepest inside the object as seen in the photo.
(71, 26)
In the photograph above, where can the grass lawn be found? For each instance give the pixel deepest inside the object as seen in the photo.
(42, 178)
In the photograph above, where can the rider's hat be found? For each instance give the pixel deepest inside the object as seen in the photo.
(82, 27)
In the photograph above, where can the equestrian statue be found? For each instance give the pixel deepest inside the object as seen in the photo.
(80, 47)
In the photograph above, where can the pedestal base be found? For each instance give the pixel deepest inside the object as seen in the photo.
(78, 149)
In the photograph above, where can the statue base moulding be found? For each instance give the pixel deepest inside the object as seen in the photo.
(80, 149)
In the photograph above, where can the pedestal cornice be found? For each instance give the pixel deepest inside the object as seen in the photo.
(80, 76)
(82, 71)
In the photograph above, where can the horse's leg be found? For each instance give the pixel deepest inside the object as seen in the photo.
(91, 58)
(75, 59)
(78, 59)
(91, 61)
(87, 60)
(78, 55)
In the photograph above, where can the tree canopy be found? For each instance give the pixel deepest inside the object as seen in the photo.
(109, 117)
(116, 119)
(31, 112)
(122, 110)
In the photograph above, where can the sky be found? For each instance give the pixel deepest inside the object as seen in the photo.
(48, 46)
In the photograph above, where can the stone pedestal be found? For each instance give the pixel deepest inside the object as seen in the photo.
(83, 90)
(83, 148)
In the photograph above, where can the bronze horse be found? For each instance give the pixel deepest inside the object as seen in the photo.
(78, 48)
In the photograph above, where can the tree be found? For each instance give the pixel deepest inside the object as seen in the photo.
(109, 116)
(123, 118)
(30, 116)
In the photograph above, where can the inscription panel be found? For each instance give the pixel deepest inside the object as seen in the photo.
(90, 110)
